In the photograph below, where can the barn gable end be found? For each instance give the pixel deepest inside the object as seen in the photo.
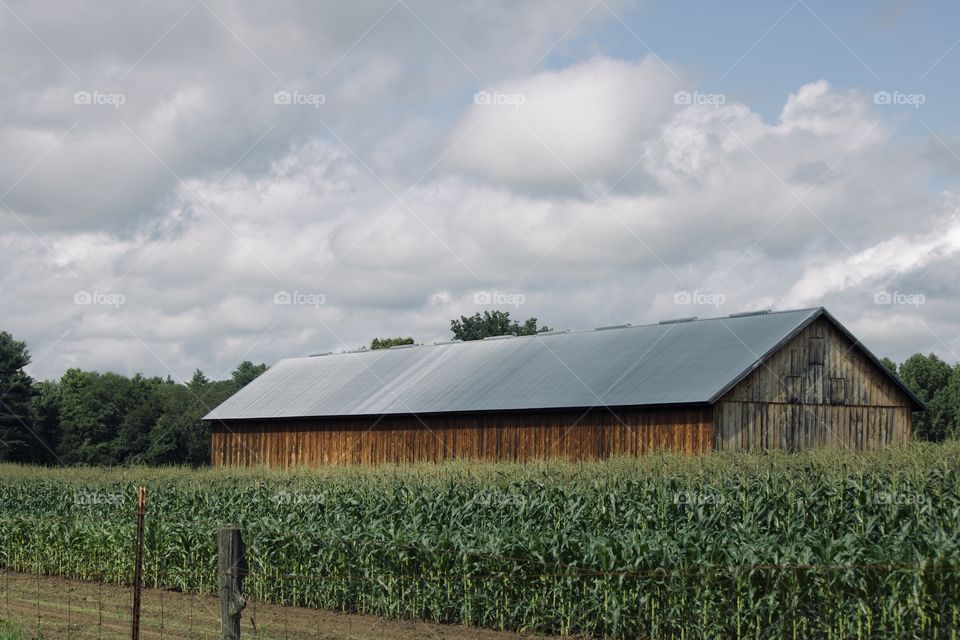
(820, 388)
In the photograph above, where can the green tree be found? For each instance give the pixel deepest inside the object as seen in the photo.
(46, 410)
(17, 423)
(928, 376)
(493, 323)
(180, 436)
(890, 365)
(198, 381)
(140, 411)
(386, 343)
(106, 418)
(89, 416)
(951, 401)
(246, 372)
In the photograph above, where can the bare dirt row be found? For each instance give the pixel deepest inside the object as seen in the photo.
(78, 610)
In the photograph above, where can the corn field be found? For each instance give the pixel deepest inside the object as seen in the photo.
(818, 544)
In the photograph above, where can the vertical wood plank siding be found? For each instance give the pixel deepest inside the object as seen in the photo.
(819, 389)
(519, 437)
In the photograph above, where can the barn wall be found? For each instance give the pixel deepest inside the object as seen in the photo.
(596, 433)
(819, 389)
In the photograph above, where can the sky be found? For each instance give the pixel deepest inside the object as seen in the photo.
(190, 184)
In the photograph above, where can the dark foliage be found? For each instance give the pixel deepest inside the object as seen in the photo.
(93, 418)
(493, 323)
(386, 343)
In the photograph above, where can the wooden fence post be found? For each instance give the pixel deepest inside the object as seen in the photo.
(138, 561)
(232, 566)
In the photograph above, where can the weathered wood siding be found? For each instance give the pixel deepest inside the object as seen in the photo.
(819, 389)
(575, 434)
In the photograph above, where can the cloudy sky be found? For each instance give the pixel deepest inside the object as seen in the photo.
(189, 184)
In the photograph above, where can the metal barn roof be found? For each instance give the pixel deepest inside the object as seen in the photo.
(674, 362)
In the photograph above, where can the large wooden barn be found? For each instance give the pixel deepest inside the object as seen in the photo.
(764, 380)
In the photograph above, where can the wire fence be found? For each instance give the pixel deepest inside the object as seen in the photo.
(54, 607)
(58, 607)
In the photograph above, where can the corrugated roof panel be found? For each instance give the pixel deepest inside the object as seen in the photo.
(677, 363)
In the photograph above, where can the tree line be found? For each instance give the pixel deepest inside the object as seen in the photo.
(93, 418)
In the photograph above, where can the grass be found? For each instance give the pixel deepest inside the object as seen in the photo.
(817, 544)
(10, 632)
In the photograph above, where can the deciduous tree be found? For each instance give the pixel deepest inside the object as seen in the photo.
(386, 343)
(17, 423)
(493, 323)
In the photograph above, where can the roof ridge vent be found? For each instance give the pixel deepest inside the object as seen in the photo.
(454, 341)
(614, 326)
(317, 355)
(744, 314)
(402, 346)
(506, 337)
(556, 332)
(678, 320)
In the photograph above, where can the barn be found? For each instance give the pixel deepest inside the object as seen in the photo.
(748, 381)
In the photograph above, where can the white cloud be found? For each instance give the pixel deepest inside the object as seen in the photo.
(824, 204)
(556, 128)
(883, 262)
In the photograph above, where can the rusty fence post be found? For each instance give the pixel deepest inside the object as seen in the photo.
(138, 562)
(231, 568)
